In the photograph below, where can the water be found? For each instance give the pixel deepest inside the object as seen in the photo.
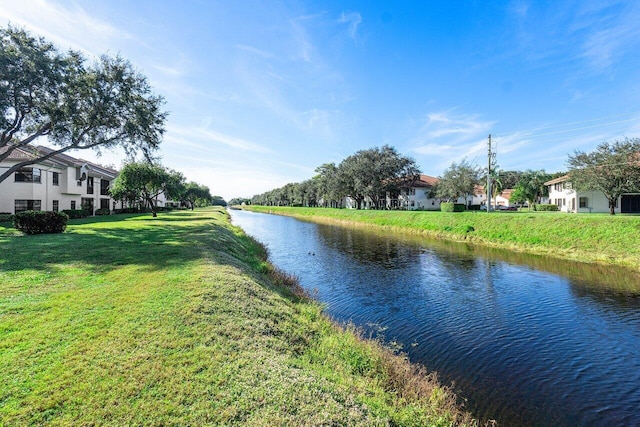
(527, 341)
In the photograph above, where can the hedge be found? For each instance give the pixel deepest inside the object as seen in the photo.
(452, 207)
(547, 208)
(6, 217)
(40, 222)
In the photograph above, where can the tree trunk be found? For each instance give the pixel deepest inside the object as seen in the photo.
(612, 207)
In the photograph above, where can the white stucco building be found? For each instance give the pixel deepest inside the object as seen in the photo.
(562, 194)
(58, 183)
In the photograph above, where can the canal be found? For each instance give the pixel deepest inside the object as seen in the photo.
(527, 341)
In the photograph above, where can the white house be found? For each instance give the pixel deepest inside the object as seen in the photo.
(415, 194)
(58, 183)
(567, 199)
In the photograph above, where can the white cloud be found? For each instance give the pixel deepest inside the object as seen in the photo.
(66, 27)
(201, 138)
(354, 19)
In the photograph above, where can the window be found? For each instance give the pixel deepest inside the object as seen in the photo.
(28, 175)
(412, 191)
(90, 185)
(73, 205)
(558, 187)
(584, 202)
(27, 205)
(104, 203)
(104, 187)
(56, 178)
(56, 205)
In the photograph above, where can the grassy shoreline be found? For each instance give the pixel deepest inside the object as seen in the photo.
(181, 320)
(594, 238)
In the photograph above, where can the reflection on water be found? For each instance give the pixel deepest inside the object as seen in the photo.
(527, 340)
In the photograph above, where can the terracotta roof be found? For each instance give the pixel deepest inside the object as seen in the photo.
(506, 193)
(422, 181)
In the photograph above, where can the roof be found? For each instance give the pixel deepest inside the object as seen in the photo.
(17, 154)
(506, 193)
(424, 181)
(557, 180)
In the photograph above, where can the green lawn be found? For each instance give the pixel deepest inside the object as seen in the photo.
(178, 320)
(594, 238)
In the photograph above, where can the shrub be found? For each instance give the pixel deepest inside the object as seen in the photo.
(40, 222)
(474, 208)
(452, 207)
(105, 211)
(546, 208)
(6, 217)
(76, 213)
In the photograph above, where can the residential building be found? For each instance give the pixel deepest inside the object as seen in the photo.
(415, 194)
(58, 183)
(562, 194)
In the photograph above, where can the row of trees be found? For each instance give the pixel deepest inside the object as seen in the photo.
(145, 181)
(372, 174)
(366, 175)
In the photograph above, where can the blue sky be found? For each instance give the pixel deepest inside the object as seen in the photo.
(260, 93)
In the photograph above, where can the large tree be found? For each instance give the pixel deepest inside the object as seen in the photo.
(48, 94)
(458, 180)
(612, 168)
(196, 194)
(374, 172)
(146, 181)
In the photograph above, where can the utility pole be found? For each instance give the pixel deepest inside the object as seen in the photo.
(491, 164)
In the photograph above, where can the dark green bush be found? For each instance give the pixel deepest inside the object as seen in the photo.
(103, 211)
(452, 207)
(6, 217)
(40, 222)
(76, 213)
(546, 208)
(474, 208)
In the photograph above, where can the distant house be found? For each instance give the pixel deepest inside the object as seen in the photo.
(58, 183)
(415, 194)
(562, 194)
(504, 198)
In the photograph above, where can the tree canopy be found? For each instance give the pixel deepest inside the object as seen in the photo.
(45, 93)
(612, 168)
(458, 180)
(368, 173)
(146, 181)
(197, 195)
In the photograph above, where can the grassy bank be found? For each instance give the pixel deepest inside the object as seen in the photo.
(178, 320)
(593, 238)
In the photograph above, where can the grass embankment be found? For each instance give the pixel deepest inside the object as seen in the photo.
(179, 320)
(594, 238)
